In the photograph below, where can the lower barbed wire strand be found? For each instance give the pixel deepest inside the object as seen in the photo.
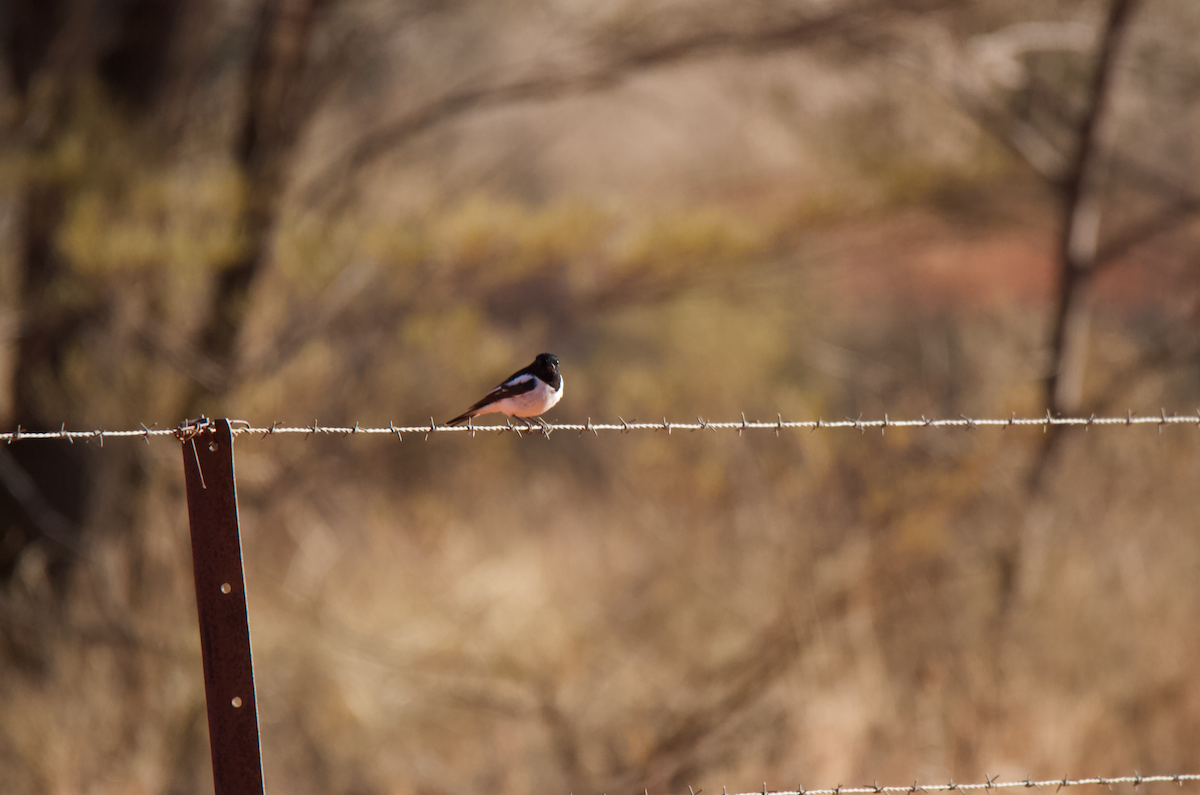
(991, 783)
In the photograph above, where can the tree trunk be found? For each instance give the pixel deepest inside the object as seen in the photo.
(277, 108)
(52, 48)
(1079, 236)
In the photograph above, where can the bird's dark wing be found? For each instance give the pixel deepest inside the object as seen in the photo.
(518, 384)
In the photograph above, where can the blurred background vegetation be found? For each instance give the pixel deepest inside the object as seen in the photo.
(368, 211)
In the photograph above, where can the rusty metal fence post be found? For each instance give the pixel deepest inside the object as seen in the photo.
(221, 605)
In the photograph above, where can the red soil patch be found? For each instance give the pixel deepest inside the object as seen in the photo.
(919, 261)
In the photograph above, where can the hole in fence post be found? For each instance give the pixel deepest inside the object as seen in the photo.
(224, 625)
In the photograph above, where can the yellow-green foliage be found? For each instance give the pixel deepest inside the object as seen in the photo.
(686, 242)
(128, 210)
(184, 221)
(502, 241)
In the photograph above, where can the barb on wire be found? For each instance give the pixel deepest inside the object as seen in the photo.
(190, 428)
(989, 784)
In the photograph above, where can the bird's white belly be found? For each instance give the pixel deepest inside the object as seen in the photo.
(536, 401)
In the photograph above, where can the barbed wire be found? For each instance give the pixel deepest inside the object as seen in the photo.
(190, 428)
(989, 784)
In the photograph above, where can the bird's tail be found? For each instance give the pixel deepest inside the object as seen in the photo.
(461, 418)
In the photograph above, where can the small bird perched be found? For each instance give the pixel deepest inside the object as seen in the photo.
(525, 393)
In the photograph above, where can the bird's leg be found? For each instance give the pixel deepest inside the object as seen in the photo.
(545, 425)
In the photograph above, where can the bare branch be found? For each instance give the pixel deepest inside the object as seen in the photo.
(555, 84)
(1020, 137)
(1169, 219)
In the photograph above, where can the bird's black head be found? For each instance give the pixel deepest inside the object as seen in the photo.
(547, 361)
